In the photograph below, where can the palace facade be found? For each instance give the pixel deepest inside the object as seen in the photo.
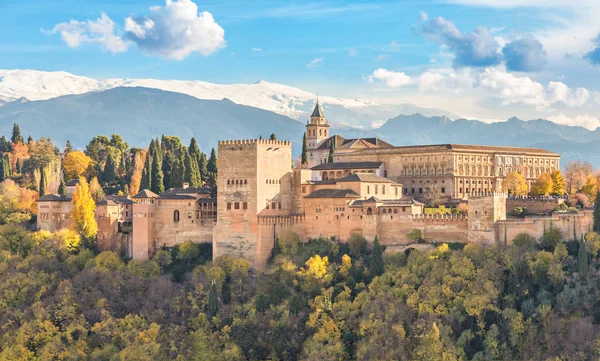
(371, 188)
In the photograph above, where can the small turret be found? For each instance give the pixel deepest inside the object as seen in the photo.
(317, 130)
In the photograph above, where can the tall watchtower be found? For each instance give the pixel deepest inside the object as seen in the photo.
(485, 209)
(317, 128)
(254, 178)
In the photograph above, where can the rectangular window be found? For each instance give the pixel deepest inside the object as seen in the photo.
(368, 190)
(245, 205)
(385, 173)
(228, 205)
(236, 205)
(279, 205)
(303, 189)
(382, 189)
(420, 190)
(443, 190)
(413, 191)
(273, 205)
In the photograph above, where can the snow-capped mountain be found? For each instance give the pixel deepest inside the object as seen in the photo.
(281, 99)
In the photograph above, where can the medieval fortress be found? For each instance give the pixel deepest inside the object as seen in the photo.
(371, 188)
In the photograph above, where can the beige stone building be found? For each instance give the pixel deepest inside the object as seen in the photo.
(372, 188)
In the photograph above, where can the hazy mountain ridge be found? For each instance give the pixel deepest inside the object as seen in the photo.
(282, 99)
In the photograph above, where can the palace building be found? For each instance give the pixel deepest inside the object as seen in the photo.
(371, 188)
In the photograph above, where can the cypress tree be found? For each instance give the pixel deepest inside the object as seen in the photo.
(192, 174)
(42, 181)
(212, 162)
(146, 181)
(19, 166)
(16, 135)
(331, 150)
(109, 169)
(194, 150)
(157, 182)
(7, 165)
(203, 167)
(377, 265)
(62, 188)
(29, 139)
(212, 306)
(583, 258)
(178, 175)
(3, 176)
(304, 158)
(597, 213)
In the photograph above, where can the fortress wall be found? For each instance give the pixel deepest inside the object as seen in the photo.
(534, 205)
(393, 229)
(571, 226)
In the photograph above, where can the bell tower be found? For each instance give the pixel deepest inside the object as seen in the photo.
(317, 128)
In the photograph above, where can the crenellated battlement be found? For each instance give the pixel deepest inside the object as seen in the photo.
(254, 142)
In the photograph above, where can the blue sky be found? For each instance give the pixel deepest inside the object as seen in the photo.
(488, 59)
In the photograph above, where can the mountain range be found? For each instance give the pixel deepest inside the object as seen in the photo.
(277, 98)
(63, 106)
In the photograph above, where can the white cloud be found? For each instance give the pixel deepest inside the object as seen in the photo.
(586, 120)
(560, 92)
(352, 52)
(100, 31)
(316, 62)
(173, 31)
(381, 57)
(176, 30)
(423, 16)
(392, 79)
(437, 80)
(257, 50)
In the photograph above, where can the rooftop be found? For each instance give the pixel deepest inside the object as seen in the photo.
(72, 183)
(364, 177)
(348, 165)
(333, 193)
(343, 143)
(53, 198)
(459, 148)
(317, 112)
(186, 190)
(404, 201)
(145, 193)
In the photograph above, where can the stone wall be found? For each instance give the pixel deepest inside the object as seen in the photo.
(534, 205)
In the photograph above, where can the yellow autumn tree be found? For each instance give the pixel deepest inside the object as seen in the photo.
(558, 183)
(543, 186)
(590, 188)
(96, 190)
(75, 164)
(316, 267)
(515, 184)
(139, 159)
(82, 215)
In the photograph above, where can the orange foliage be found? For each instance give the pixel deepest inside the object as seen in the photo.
(19, 151)
(75, 164)
(136, 177)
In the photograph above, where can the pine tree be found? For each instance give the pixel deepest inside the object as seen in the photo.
(273, 136)
(212, 306)
(16, 135)
(157, 182)
(597, 213)
(304, 158)
(583, 261)
(377, 265)
(82, 214)
(62, 188)
(194, 150)
(42, 181)
(19, 166)
(68, 147)
(331, 151)
(29, 139)
(192, 174)
(212, 162)
(203, 167)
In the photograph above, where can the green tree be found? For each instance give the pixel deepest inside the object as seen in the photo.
(212, 162)
(146, 181)
(377, 265)
(163, 258)
(62, 188)
(192, 173)
(331, 150)
(19, 166)
(583, 261)
(188, 250)
(304, 157)
(42, 188)
(157, 182)
(597, 213)
(109, 173)
(68, 147)
(212, 304)
(273, 136)
(16, 135)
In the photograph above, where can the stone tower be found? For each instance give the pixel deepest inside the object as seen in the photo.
(317, 128)
(485, 209)
(254, 180)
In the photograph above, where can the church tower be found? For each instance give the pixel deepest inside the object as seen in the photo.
(317, 128)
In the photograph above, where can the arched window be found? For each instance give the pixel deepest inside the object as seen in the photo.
(395, 210)
(384, 211)
(325, 176)
(228, 182)
(176, 216)
(245, 181)
(369, 211)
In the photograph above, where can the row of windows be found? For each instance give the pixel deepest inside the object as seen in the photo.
(424, 172)
(420, 190)
(313, 132)
(273, 205)
(237, 181)
(273, 181)
(376, 189)
(236, 205)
